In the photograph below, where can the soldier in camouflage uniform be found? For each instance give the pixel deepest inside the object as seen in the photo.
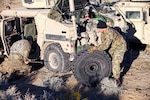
(18, 58)
(112, 41)
(20, 50)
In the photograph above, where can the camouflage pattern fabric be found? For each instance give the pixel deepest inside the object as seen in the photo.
(116, 45)
(9, 66)
(19, 53)
(20, 50)
(55, 15)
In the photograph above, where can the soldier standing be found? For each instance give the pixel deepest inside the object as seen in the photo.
(112, 41)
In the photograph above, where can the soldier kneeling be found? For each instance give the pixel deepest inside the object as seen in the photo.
(18, 58)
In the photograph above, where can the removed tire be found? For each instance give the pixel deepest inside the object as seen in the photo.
(55, 59)
(90, 68)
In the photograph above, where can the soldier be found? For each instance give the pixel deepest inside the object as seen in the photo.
(18, 58)
(112, 41)
(21, 49)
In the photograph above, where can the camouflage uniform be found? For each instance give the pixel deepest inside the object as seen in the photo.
(19, 53)
(20, 50)
(116, 46)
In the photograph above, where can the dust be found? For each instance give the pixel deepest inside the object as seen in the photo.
(109, 86)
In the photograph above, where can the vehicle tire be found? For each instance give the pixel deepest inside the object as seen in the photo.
(90, 68)
(55, 59)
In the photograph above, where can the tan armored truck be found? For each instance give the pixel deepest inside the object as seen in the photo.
(62, 29)
(132, 18)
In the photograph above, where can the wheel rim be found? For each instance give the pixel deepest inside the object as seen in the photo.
(90, 73)
(92, 68)
(54, 60)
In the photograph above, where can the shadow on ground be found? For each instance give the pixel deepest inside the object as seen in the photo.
(79, 92)
(131, 54)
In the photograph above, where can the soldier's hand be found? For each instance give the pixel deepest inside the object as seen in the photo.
(27, 61)
(92, 49)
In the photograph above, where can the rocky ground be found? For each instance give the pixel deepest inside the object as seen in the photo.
(41, 83)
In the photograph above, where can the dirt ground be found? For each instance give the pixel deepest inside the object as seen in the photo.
(135, 82)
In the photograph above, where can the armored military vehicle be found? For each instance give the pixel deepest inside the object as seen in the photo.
(131, 18)
(62, 30)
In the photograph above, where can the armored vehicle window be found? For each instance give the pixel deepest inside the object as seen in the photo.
(133, 14)
(9, 27)
(145, 14)
(149, 11)
(28, 1)
(64, 4)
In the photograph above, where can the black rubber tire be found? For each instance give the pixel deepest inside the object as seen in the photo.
(90, 68)
(55, 59)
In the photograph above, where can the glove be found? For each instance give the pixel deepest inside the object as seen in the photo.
(92, 49)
